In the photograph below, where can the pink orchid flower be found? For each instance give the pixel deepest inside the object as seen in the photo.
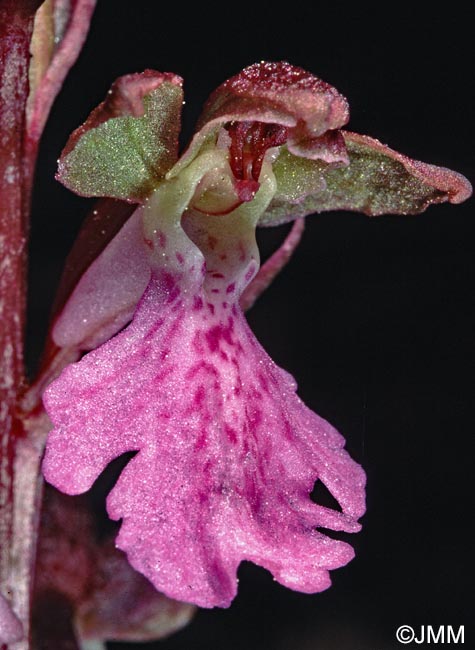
(227, 452)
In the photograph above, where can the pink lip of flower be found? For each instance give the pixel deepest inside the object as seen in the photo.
(227, 452)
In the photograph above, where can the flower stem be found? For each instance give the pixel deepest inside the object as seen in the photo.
(16, 24)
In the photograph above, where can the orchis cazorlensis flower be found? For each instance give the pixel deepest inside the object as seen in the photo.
(227, 452)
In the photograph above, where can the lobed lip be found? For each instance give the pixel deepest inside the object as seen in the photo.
(227, 452)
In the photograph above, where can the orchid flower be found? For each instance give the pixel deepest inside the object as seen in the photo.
(227, 453)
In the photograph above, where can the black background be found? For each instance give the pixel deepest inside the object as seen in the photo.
(373, 317)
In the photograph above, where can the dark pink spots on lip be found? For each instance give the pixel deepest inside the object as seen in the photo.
(223, 257)
(199, 397)
(207, 368)
(174, 293)
(224, 305)
(214, 290)
(288, 431)
(220, 333)
(230, 433)
(213, 337)
(263, 382)
(254, 416)
(167, 282)
(217, 275)
(169, 286)
(162, 375)
(180, 258)
(158, 325)
(161, 238)
(211, 307)
(201, 442)
(254, 394)
(231, 287)
(197, 303)
(149, 243)
(175, 325)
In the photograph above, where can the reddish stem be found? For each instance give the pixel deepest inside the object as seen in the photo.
(16, 24)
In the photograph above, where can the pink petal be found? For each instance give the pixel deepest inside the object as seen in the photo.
(228, 454)
(100, 226)
(105, 298)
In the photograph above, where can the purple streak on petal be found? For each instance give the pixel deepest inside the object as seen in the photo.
(272, 267)
(10, 627)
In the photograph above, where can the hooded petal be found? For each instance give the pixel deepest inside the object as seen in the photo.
(378, 180)
(105, 298)
(281, 94)
(128, 142)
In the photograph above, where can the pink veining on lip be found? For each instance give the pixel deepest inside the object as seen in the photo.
(228, 454)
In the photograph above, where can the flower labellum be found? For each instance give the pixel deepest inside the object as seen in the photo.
(227, 452)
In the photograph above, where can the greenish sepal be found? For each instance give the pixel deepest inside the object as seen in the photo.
(125, 157)
(376, 181)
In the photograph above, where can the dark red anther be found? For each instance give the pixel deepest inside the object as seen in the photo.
(249, 143)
